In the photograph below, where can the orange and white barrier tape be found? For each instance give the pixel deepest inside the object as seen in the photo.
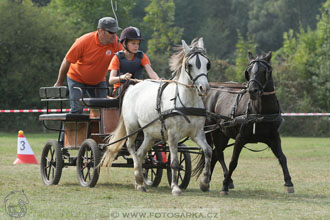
(306, 114)
(87, 109)
(36, 110)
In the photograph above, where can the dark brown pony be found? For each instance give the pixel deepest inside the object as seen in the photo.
(256, 117)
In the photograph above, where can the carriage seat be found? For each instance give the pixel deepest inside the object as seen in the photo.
(64, 117)
(101, 102)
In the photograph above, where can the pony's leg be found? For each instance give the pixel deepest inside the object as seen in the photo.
(220, 142)
(200, 140)
(275, 146)
(214, 158)
(140, 154)
(173, 145)
(233, 164)
(137, 164)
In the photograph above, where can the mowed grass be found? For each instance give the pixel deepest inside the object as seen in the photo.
(258, 193)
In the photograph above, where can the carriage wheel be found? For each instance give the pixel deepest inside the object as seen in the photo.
(153, 176)
(51, 163)
(88, 159)
(184, 173)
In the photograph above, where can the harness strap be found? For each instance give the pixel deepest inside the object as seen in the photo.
(161, 89)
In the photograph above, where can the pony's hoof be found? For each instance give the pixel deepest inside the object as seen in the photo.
(176, 191)
(204, 187)
(289, 189)
(231, 185)
(141, 189)
(224, 193)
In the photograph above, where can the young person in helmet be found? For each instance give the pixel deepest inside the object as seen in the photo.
(130, 62)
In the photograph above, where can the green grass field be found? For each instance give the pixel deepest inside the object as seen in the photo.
(258, 193)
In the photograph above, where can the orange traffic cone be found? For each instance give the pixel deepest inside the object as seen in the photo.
(24, 151)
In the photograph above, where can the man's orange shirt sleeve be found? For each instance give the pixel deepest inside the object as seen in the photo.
(75, 51)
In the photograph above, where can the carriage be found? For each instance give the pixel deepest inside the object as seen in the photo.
(85, 142)
(234, 116)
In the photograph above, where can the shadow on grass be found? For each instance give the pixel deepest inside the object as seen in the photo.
(263, 194)
(246, 194)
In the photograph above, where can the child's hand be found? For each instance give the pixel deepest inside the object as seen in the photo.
(128, 76)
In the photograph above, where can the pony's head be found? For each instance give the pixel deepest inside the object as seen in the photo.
(192, 60)
(259, 75)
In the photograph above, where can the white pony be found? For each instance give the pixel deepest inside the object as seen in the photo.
(182, 95)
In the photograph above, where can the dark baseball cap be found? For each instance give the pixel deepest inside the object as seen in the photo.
(108, 24)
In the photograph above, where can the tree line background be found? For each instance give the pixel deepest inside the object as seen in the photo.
(36, 34)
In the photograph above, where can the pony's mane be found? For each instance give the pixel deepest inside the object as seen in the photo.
(176, 59)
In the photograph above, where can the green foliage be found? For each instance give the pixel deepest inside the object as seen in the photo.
(242, 49)
(160, 19)
(35, 39)
(221, 70)
(302, 71)
(268, 19)
(31, 49)
(321, 80)
(86, 13)
(41, 3)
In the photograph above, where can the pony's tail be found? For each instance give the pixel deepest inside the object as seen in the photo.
(112, 150)
(197, 171)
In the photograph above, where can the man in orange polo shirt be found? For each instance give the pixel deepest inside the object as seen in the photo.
(86, 63)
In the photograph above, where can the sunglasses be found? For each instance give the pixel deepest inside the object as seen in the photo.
(110, 32)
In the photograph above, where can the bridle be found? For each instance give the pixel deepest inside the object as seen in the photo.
(268, 68)
(196, 51)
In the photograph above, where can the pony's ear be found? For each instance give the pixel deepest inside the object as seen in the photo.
(201, 43)
(268, 56)
(250, 56)
(186, 48)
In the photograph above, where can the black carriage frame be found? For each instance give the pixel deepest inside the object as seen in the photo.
(75, 127)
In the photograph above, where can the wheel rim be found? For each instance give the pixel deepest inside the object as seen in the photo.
(152, 176)
(50, 162)
(87, 164)
(149, 173)
(182, 162)
(184, 171)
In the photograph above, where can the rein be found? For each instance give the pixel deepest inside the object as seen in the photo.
(181, 111)
(163, 80)
(233, 90)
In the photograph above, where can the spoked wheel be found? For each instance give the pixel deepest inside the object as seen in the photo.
(51, 163)
(88, 159)
(184, 173)
(153, 176)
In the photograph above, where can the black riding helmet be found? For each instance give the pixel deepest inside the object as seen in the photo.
(130, 33)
